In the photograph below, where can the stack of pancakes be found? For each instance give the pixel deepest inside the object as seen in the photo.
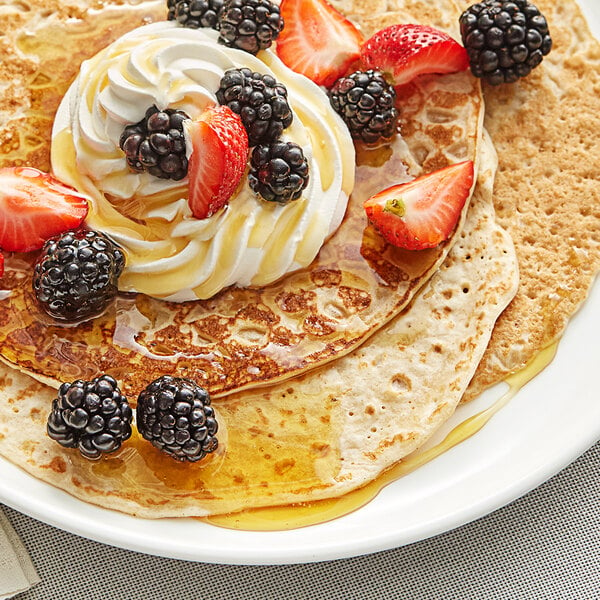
(335, 373)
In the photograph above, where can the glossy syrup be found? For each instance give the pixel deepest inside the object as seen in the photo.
(52, 50)
(312, 513)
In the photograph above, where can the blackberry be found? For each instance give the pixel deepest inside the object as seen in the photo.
(278, 172)
(195, 13)
(505, 39)
(365, 101)
(75, 276)
(157, 144)
(260, 101)
(92, 416)
(176, 416)
(249, 25)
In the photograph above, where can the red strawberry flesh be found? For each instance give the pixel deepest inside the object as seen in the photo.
(317, 40)
(35, 206)
(423, 212)
(218, 160)
(407, 51)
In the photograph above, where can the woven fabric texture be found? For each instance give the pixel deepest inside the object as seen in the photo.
(545, 545)
(17, 572)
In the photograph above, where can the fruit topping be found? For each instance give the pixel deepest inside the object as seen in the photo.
(195, 13)
(260, 101)
(157, 144)
(92, 416)
(317, 41)
(406, 51)
(505, 39)
(218, 159)
(365, 101)
(279, 172)
(35, 206)
(176, 416)
(249, 25)
(75, 276)
(423, 212)
(1, 264)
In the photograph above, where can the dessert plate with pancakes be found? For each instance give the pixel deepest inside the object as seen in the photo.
(367, 395)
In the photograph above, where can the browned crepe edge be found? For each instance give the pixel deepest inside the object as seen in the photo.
(547, 193)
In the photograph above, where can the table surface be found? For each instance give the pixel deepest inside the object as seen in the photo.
(543, 545)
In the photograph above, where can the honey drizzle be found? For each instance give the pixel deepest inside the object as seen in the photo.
(294, 516)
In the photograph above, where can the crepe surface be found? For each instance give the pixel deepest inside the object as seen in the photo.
(320, 435)
(240, 338)
(547, 191)
(547, 194)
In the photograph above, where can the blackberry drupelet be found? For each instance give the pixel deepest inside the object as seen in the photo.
(176, 416)
(250, 25)
(278, 172)
(505, 39)
(75, 276)
(92, 416)
(260, 101)
(365, 101)
(157, 144)
(195, 13)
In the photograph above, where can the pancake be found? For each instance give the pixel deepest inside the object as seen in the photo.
(547, 195)
(319, 435)
(242, 337)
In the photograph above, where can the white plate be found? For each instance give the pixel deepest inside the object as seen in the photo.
(553, 420)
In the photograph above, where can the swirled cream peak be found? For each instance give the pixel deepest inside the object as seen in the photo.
(170, 254)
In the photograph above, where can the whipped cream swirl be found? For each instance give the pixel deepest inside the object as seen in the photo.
(170, 254)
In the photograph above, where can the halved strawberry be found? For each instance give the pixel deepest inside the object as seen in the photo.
(405, 51)
(423, 212)
(1, 264)
(34, 206)
(317, 40)
(218, 159)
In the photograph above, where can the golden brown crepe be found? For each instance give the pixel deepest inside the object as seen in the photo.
(547, 194)
(314, 435)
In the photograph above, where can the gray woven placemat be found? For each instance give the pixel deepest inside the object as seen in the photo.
(545, 545)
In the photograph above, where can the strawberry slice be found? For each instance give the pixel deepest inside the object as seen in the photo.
(1, 264)
(35, 206)
(317, 41)
(406, 51)
(423, 212)
(218, 159)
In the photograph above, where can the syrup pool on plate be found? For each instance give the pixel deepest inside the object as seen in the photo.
(312, 513)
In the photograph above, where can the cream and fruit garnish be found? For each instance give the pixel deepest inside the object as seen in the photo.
(169, 252)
